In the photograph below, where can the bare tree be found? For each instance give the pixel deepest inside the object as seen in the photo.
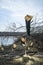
(12, 28)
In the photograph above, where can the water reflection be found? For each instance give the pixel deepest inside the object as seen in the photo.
(10, 59)
(7, 40)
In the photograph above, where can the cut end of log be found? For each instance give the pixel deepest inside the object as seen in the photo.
(28, 17)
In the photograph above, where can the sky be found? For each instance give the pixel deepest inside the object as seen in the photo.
(14, 11)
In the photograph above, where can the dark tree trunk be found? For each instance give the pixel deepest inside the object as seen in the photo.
(28, 26)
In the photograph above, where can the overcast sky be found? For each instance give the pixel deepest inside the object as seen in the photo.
(15, 11)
